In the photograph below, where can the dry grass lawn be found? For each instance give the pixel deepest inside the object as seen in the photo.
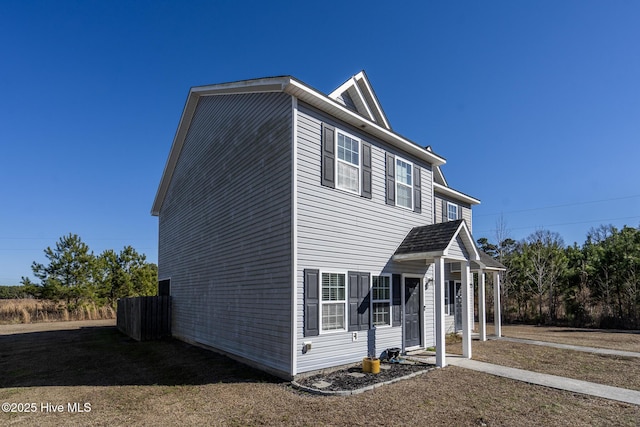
(600, 338)
(602, 369)
(171, 383)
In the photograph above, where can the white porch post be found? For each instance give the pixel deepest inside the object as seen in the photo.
(496, 304)
(466, 318)
(439, 284)
(482, 306)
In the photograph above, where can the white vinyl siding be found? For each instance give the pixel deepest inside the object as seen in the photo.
(348, 162)
(333, 302)
(381, 300)
(404, 183)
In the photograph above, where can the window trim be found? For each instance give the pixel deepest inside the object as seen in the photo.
(397, 183)
(339, 132)
(322, 302)
(389, 301)
(449, 204)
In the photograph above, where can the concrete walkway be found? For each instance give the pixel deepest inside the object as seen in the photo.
(553, 381)
(572, 347)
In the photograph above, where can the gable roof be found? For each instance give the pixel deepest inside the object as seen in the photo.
(438, 176)
(303, 92)
(357, 94)
(435, 240)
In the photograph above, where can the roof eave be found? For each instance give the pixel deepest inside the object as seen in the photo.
(418, 256)
(455, 194)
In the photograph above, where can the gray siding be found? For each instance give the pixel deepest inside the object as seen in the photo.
(225, 229)
(464, 210)
(340, 232)
(457, 249)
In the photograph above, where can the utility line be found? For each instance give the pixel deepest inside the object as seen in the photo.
(565, 223)
(558, 206)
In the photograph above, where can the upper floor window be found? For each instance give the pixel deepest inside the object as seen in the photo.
(348, 163)
(452, 211)
(404, 183)
(381, 298)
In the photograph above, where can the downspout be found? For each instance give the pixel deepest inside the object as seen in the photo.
(294, 237)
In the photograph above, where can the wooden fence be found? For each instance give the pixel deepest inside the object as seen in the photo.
(145, 318)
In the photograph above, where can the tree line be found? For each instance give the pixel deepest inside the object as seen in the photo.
(75, 275)
(596, 284)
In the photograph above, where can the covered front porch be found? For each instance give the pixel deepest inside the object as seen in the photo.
(451, 242)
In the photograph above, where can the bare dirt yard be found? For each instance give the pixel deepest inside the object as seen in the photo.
(171, 383)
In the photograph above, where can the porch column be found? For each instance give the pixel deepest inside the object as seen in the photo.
(482, 306)
(496, 304)
(466, 318)
(439, 284)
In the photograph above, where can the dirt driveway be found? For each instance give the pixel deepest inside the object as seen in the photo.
(171, 383)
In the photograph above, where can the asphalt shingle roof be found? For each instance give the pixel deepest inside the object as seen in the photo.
(489, 262)
(429, 238)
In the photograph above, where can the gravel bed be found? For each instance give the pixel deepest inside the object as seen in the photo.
(341, 380)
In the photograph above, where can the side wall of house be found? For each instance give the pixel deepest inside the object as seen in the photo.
(340, 232)
(225, 229)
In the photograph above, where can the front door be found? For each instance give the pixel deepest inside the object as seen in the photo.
(412, 323)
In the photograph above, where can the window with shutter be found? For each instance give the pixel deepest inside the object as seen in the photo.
(346, 162)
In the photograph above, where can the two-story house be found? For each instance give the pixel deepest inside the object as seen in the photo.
(298, 231)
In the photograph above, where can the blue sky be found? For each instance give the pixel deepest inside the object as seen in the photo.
(534, 104)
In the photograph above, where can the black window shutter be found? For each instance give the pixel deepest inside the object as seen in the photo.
(365, 301)
(459, 212)
(417, 190)
(452, 297)
(358, 301)
(328, 156)
(366, 170)
(396, 302)
(311, 303)
(445, 211)
(353, 302)
(391, 179)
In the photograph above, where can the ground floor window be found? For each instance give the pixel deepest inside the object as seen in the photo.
(381, 299)
(333, 301)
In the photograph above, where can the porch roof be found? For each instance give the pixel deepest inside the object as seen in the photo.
(435, 240)
(487, 263)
